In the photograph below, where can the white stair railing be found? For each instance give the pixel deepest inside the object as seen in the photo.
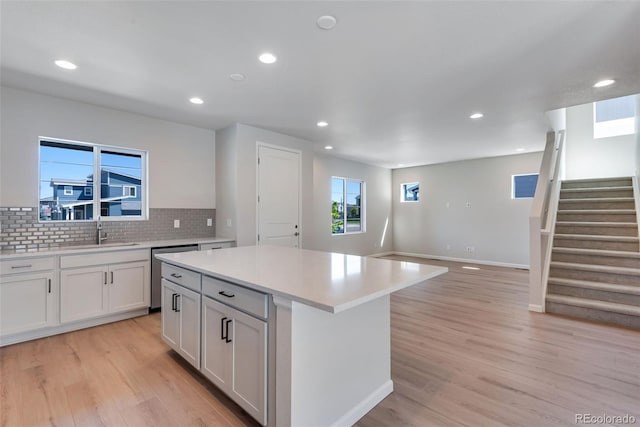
(543, 218)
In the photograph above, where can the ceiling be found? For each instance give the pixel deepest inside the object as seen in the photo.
(396, 80)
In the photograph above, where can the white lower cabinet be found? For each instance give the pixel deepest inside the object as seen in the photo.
(28, 302)
(234, 347)
(181, 320)
(95, 291)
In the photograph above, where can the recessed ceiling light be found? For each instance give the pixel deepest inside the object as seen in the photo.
(326, 22)
(66, 64)
(328, 147)
(476, 116)
(196, 100)
(604, 83)
(400, 165)
(267, 58)
(237, 77)
(322, 124)
(519, 150)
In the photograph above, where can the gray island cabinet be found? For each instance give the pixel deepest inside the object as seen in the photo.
(295, 337)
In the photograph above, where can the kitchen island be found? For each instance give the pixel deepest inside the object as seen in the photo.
(326, 332)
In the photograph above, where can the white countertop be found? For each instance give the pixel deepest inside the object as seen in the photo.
(329, 281)
(70, 250)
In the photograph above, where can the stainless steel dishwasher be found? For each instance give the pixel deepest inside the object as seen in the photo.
(156, 272)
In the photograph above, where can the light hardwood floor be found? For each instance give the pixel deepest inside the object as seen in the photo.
(465, 351)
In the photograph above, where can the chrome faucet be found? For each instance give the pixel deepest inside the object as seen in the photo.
(99, 236)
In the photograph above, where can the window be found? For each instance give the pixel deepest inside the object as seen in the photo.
(410, 192)
(68, 171)
(614, 117)
(347, 206)
(523, 186)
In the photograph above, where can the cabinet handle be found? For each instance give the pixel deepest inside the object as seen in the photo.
(222, 337)
(112, 277)
(173, 302)
(226, 295)
(105, 277)
(177, 276)
(49, 285)
(226, 339)
(21, 266)
(177, 303)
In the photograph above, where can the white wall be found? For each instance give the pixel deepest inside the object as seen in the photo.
(226, 182)
(441, 225)
(587, 157)
(181, 158)
(377, 207)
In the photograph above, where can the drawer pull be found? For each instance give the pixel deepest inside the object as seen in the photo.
(173, 302)
(222, 337)
(21, 266)
(177, 276)
(105, 277)
(177, 303)
(49, 285)
(226, 326)
(224, 294)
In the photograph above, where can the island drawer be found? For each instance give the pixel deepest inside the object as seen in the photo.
(181, 276)
(26, 265)
(247, 300)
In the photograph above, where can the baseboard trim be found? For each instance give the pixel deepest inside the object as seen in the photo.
(536, 307)
(381, 254)
(465, 260)
(68, 327)
(367, 404)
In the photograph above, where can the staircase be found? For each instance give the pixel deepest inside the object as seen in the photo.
(595, 260)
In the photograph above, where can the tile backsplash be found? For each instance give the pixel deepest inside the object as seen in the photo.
(20, 229)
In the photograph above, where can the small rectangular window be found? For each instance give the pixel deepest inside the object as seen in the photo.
(523, 186)
(347, 206)
(69, 170)
(614, 117)
(410, 192)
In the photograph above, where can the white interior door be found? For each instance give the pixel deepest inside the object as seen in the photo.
(278, 197)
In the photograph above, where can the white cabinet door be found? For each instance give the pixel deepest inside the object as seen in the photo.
(83, 293)
(248, 337)
(127, 290)
(27, 302)
(170, 317)
(215, 354)
(188, 307)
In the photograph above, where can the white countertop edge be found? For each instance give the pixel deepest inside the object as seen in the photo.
(324, 307)
(126, 246)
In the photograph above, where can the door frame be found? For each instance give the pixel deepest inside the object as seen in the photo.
(260, 144)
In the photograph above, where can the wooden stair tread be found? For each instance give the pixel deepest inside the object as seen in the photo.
(590, 189)
(600, 200)
(614, 178)
(593, 304)
(608, 287)
(598, 224)
(597, 252)
(597, 268)
(597, 211)
(628, 239)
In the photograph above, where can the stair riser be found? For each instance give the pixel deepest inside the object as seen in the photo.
(594, 204)
(596, 194)
(592, 276)
(596, 217)
(597, 231)
(616, 182)
(597, 260)
(597, 244)
(594, 294)
(595, 315)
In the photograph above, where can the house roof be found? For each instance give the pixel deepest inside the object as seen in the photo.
(395, 80)
(72, 182)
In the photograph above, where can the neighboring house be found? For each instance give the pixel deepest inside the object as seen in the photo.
(120, 195)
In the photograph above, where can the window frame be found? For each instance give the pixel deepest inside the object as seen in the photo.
(602, 131)
(67, 190)
(513, 185)
(363, 210)
(96, 151)
(403, 192)
(130, 187)
(88, 191)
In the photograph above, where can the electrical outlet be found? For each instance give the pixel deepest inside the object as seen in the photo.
(471, 249)
(209, 222)
(176, 223)
(448, 247)
(228, 222)
(467, 205)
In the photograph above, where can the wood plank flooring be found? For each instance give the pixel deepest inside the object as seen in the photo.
(465, 351)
